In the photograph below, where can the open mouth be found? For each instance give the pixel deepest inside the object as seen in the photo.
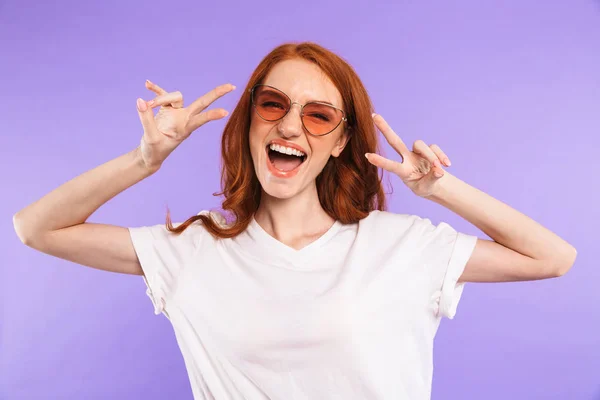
(284, 163)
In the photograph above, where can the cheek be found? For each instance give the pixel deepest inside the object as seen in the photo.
(256, 139)
(254, 144)
(258, 130)
(321, 148)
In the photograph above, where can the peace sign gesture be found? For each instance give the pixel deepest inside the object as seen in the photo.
(420, 169)
(173, 123)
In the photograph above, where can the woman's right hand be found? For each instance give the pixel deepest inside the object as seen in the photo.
(173, 123)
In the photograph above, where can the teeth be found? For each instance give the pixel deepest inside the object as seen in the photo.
(286, 150)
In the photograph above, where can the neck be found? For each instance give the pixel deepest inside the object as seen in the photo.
(289, 220)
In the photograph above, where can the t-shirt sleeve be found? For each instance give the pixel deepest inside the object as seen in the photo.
(445, 254)
(163, 256)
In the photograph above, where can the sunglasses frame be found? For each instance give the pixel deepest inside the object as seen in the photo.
(251, 91)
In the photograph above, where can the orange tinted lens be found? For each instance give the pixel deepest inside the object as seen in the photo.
(270, 103)
(321, 119)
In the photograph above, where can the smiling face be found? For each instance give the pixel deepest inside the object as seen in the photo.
(284, 176)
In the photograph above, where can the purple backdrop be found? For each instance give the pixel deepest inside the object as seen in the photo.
(510, 91)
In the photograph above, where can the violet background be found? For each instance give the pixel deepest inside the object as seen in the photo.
(509, 89)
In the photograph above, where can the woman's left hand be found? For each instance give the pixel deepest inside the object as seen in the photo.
(420, 169)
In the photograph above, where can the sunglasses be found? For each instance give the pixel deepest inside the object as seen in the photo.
(318, 118)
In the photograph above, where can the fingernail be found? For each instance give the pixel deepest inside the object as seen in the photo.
(367, 155)
(448, 163)
(141, 105)
(150, 103)
(234, 87)
(373, 115)
(148, 82)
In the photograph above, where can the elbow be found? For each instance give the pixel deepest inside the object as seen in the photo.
(18, 227)
(566, 262)
(21, 231)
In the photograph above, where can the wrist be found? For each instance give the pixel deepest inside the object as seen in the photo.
(442, 188)
(141, 164)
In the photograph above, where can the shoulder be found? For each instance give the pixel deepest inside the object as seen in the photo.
(192, 236)
(397, 225)
(218, 217)
(386, 219)
(196, 229)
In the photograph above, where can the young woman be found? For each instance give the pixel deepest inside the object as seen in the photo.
(309, 289)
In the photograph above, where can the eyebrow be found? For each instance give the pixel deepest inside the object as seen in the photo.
(322, 101)
(270, 88)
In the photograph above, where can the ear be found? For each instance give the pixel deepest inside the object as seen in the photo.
(341, 143)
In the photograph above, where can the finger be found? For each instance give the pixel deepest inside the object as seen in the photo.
(392, 138)
(421, 148)
(178, 103)
(440, 154)
(198, 120)
(147, 119)
(173, 98)
(204, 101)
(155, 88)
(437, 169)
(382, 162)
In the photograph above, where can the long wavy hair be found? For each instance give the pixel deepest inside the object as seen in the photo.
(349, 187)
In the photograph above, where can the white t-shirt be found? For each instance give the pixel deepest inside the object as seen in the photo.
(352, 315)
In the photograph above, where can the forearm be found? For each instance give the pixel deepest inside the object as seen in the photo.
(501, 222)
(73, 202)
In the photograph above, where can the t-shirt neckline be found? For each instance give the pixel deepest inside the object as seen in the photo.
(282, 251)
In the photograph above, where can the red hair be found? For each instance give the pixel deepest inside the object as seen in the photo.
(349, 187)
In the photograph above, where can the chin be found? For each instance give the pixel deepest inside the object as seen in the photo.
(277, 190)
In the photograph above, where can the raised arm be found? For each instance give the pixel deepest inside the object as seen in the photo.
(56, 223)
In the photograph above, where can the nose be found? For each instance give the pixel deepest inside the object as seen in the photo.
(291, 124)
